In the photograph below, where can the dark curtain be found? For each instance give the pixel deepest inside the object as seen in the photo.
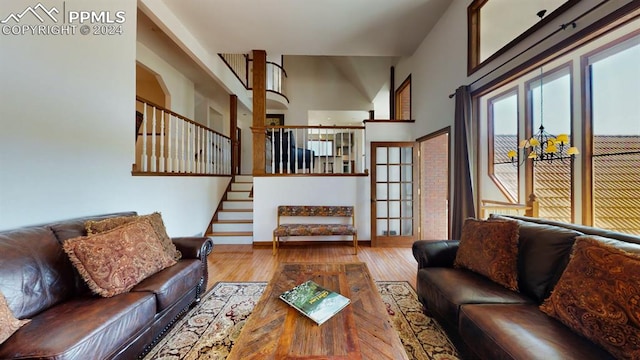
(463, 202)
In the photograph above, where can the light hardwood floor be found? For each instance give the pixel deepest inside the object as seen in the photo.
(247, 263)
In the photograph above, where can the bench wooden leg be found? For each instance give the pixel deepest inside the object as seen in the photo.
(274, 245)
(355, 244)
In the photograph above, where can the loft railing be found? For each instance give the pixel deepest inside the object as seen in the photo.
(241, 65)
(168, 143)
(317, 150)
(276, 79)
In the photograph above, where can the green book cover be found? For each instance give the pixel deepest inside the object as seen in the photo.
(314, 301)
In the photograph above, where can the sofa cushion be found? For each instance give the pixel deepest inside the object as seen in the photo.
(521, 331)
(35, 273)
(115, 261)
(170, 284)
(82, 328)
(539, 241)
(72, 228)
(155, 219)
(598, 295)
(444, 290)
(8, 323)
(490, 248)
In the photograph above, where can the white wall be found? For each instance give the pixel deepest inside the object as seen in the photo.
(66, 144)
(314, 83)
(181, 90)
(271, 191)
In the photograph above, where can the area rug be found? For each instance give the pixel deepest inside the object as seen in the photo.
(209, 331)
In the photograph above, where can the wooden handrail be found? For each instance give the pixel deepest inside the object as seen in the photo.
(143, 100)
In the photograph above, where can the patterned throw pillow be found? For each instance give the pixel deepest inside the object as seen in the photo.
(8, 323)
(97, 227)
(113, 262)
(490, 248)
(598, 296)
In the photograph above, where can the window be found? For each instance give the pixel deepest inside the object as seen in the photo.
(615, 84)
(490, 33)
(598, 110)
(549, 103)
(403, 100)
(503, 134)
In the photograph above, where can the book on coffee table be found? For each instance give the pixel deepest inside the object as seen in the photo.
(314, 301)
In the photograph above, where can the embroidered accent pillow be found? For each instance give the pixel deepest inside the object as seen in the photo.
(490, 248)
(155, 219)
(113, 262)
(598, 296)
(8, 323)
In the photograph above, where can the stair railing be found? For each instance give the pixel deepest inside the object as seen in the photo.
(168, 143)
(320, 150)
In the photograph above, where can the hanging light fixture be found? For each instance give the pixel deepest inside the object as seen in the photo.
(543, 146)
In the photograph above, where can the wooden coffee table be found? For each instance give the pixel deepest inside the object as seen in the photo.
(362, 330)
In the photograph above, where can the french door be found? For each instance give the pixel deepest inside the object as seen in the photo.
(393, 193)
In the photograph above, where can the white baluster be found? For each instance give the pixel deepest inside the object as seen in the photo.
(153, 142)
(162, 157)
(144, 139)
(169, 159)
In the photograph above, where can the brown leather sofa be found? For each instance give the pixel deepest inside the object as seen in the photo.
(67, 320)
(488, 321)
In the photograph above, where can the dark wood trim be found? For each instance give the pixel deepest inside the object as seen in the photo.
(279, 93)
(149, 173)
(406, 83)
(315, 174)
(233, 125)
(473, 33)
(387, 121)
(392, 86)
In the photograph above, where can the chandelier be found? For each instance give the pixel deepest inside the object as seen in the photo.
(543, 146)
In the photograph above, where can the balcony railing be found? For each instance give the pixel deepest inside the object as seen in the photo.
(242, 66)
(315, 150)
(168, 143)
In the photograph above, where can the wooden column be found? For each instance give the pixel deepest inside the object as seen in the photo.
(259, 110)
(233, 132)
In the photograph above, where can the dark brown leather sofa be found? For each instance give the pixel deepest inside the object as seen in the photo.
(488, 321)
(67, 320)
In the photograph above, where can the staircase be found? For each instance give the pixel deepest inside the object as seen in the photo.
(233, 221)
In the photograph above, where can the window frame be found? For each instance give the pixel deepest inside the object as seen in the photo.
(406, 84)
(474, 40)
(514, 90)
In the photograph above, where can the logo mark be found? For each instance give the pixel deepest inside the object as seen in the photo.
(34, 12)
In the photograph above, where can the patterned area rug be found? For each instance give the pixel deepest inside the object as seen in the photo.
(210, 330)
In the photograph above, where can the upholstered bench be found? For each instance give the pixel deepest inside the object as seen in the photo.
(315, 229)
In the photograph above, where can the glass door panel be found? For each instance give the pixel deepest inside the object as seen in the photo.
(392, 192)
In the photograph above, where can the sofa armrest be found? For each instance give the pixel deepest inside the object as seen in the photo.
(439, 253)
(196, 247)
(193, 247)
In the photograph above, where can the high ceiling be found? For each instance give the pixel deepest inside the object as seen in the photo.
(310, 27)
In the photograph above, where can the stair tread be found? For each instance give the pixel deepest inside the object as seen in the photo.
(233, 222)
(235, 210)
(238, 200)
